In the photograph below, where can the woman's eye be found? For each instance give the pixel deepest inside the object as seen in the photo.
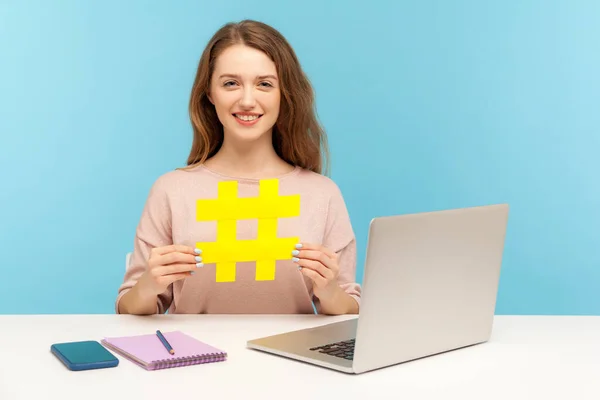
(229, 83)
(267, 84)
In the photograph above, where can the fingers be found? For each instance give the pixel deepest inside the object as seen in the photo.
(172, 263)
(319, 280)
(318, 248)
(166, 280)
(317, 267)
(174, 269)
(177, 258)
(174, 248)
(317, 258)
(174, 254)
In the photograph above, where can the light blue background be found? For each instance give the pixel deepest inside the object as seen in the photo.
(428, 105)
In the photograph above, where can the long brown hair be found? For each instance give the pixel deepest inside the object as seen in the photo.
(298, 137)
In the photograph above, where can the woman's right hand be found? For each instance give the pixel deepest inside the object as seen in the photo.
(168, 264)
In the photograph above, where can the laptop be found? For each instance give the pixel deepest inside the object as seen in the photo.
(430, 286)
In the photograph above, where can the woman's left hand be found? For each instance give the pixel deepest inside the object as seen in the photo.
(320, 265)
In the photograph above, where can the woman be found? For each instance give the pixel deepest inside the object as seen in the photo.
(252, 113)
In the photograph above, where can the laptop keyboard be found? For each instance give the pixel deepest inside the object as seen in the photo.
(343, 349)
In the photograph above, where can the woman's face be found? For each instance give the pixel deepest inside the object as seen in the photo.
(245, 92)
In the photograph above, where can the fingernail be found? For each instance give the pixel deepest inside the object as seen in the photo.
(192, 272)
(199, 265)
(198, 258)
(295, 252)
(198, 251)
(299, 267)
(295, 259)
(299, 245)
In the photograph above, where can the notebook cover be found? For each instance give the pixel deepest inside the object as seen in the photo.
(148, 351)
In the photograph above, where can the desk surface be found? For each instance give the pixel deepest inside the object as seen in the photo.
(537, 357)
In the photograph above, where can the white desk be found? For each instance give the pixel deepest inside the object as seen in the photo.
(527, 358)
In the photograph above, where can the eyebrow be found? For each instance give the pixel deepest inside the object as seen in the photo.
(238, 77)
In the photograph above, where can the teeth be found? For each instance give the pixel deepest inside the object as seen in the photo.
(246, 117)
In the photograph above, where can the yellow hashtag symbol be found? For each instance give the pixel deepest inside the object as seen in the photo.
(227, 250)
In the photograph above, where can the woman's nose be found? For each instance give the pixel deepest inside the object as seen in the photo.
(247, 99)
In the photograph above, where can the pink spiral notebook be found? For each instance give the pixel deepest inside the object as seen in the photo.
(148, 351)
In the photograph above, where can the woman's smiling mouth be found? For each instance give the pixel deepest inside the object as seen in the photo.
(247, 119)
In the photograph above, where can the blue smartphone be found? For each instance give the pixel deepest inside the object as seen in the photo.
(80, 356)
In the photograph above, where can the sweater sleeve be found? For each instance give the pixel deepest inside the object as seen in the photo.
(339, 237)
(153, 230)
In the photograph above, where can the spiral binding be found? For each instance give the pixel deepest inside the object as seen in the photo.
(190, 360)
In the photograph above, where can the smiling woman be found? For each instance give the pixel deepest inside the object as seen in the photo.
(252, 115)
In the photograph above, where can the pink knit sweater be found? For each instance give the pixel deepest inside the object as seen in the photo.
(169, 217)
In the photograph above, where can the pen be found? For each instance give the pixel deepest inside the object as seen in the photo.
(164, 342)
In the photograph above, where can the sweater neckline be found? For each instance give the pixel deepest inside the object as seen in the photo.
(295, 171)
